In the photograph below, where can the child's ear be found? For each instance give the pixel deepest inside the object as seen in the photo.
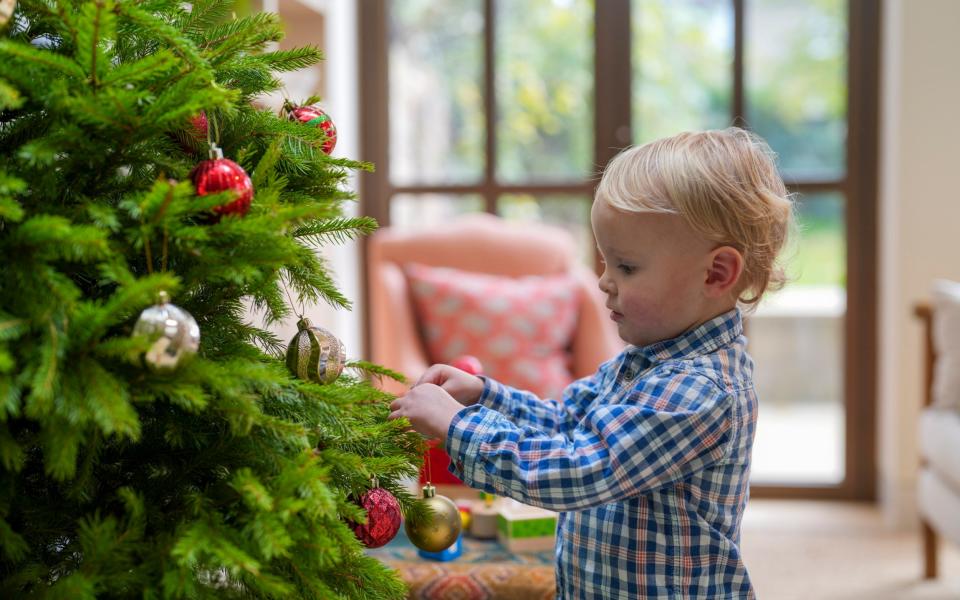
(723, 273)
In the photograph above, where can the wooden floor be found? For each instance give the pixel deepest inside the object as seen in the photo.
(838, 551)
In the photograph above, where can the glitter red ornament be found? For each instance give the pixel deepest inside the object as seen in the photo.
(221, 174)
(199, 124)
(311, 115)
(193, 137)
(383, 518)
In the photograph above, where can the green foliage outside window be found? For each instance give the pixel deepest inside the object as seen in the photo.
(682, 79)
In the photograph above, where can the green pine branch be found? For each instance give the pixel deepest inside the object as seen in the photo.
(229, 477)
(97, 23)
(335, 231)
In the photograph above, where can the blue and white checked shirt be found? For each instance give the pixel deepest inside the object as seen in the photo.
(647, 461)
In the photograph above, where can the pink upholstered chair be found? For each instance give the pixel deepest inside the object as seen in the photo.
(486, 244)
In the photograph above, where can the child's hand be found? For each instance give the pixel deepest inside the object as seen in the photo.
(462, 386)
(429, 409)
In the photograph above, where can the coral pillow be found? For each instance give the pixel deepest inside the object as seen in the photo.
(519, 327)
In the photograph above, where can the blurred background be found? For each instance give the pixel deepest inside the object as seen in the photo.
(512, 107)
(519, 137)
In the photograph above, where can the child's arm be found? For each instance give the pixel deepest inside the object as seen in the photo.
(526, 409)
(522, 407)
(671, 427)
(433, 403)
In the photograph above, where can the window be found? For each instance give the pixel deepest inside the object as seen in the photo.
(511, 107)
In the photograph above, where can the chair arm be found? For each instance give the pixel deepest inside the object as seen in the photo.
(924, 312)
(392, 319)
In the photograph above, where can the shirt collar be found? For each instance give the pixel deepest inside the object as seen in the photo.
(702, 339)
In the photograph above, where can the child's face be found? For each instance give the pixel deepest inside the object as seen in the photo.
(655, 272)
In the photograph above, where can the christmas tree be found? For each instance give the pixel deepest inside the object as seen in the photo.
(129, 469)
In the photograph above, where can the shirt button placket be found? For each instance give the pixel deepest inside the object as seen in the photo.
(629, 371)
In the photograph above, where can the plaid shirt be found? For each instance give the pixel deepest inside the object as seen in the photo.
(647, 461)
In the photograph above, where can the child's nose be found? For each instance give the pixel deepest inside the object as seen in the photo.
(606, 284)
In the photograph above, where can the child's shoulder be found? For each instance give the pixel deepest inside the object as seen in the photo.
(681, 384)
(681, 378)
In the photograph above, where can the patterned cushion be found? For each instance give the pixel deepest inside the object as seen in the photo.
(519, 328)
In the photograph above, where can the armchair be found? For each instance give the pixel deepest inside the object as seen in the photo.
(938, 489)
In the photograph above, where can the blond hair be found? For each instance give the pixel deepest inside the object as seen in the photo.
(726, 187)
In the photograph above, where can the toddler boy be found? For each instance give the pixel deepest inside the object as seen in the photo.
(648, 459)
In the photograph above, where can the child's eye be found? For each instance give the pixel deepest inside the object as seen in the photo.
(626, 269)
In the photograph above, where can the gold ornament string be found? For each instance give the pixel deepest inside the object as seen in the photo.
(428, 467)
(164, 248)
(286, 290)
(212, 125)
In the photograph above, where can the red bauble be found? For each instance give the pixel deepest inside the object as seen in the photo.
(193, 137)
(220, 174)
(468, 363)
(200, 125)
(311, 115)
(383, 518)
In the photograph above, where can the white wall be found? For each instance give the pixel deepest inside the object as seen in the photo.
(340, 101)
(920, 213)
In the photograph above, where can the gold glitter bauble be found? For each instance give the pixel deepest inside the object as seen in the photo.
(441, 528)
(315, 354)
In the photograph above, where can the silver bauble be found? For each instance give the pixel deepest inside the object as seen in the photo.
(173, 333)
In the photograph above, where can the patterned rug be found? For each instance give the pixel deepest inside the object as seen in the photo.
(485, 571)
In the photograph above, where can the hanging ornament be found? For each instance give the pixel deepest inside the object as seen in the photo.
(200, 125)
(194, 136)
(468, 363)
(383, 518)
(441, 528)
(221, 174)
(6, 10)
(173, 333)
(315, 354)
(311, 115)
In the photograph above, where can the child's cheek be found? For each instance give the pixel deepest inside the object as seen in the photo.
(637, 309)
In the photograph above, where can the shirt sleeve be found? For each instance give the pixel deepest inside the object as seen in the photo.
(526, 409)
(658, 434)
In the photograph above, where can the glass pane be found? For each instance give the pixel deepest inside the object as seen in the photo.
(795, 75)
(571, 213)
(796, 339)
(682, 66)
(436, 92)
(820, 258)
(544, 66)
(420, 211)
